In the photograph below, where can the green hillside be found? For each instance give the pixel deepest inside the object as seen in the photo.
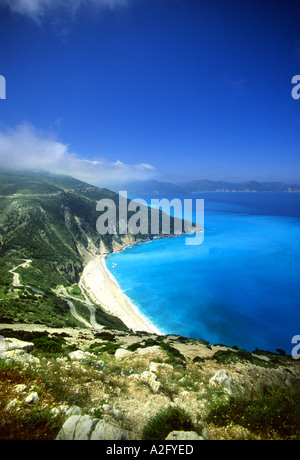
(51, 220)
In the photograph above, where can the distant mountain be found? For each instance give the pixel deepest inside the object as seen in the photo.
(153, 187)
(205, 186)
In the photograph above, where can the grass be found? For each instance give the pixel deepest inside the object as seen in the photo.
(271, 411)
(35, 422)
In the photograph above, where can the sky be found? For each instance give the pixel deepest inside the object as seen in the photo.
(111, 91)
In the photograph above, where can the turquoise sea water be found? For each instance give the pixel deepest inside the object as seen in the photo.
(239, 287)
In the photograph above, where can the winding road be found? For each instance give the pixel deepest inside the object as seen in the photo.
(65, 296)
(16, 279)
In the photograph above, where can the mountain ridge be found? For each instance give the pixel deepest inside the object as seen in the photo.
(205, 186)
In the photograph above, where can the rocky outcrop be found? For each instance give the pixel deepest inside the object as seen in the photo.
(17, 350)
(222, 379)
(85, 427)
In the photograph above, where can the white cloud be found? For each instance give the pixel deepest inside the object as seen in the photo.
(39, 9)
(24, 148)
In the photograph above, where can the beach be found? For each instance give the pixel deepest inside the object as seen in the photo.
(103, 289)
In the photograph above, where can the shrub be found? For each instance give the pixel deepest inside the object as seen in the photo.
(170, 419)
(49, 344)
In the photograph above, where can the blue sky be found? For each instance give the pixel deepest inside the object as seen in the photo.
(117, 90)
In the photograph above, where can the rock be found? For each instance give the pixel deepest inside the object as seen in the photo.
(154, 367)
(11, 404)
(154, 349)
(106, 432)
(17, 350)
(21, 356)
(85, 427)
(32, 398)
(151, 379)
(106, 407)
(223, 379)
(75, 410)
(79, 355)
(15, 344)
(118, 414)
(122, 353)
(20, 388)
(55, 411)
(184, 436)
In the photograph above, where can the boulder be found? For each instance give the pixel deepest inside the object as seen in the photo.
(15, 344)
(79, 355)
(122, 353)
(86, 427)
(17, 350)
(32, 398)
(151, 379)
(144, 351)
(223, 379)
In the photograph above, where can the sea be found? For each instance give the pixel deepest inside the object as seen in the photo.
(240, 287)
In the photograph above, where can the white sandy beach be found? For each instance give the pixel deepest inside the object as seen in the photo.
(104, 290)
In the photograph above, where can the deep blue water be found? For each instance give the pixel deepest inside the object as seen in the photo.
(239, 287)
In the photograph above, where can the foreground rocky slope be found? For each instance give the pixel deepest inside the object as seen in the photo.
(59, 384)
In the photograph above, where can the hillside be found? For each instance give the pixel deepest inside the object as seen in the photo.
(50, 220)
(73, 383)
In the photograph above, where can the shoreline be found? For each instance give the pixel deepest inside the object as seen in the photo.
(103, 289)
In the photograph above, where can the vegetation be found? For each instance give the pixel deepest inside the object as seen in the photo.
(22, 305)
(231, 356)
(39, 423)
(170, 419)
(174, 356)
(271, 410)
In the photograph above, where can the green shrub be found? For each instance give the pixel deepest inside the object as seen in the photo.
(170, 419)
(49, 344)
(174, 356)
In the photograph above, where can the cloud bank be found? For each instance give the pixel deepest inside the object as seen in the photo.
(24, 148)
(39, 9)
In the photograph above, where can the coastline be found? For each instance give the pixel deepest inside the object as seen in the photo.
(103, 289)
